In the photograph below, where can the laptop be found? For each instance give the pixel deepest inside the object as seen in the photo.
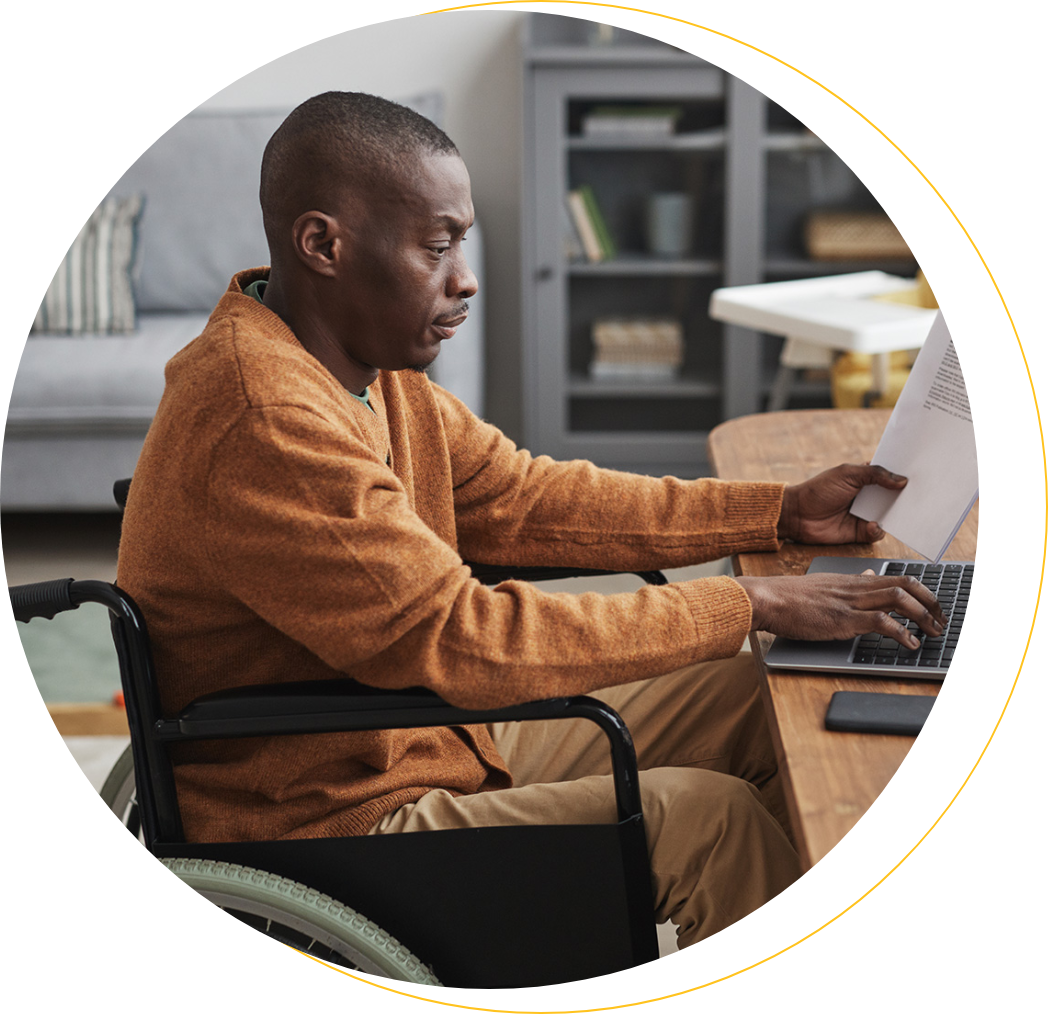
(875, 654)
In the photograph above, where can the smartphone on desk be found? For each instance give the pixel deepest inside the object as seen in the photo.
(895, 714)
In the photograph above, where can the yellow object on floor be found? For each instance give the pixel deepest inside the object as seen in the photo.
(851, 378)
(920, 294)
(851, 375)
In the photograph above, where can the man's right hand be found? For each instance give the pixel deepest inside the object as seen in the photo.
(830, 607)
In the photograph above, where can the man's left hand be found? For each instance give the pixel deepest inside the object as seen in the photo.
(817, 511)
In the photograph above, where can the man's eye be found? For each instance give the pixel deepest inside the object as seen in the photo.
(440, 250)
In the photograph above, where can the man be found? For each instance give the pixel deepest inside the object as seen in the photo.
(304, 502)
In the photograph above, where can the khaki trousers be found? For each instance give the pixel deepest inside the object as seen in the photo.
(714, 813)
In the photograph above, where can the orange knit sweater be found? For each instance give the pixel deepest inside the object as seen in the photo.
(267, 539)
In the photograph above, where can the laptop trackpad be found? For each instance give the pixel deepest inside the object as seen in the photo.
(816, 655)
(787, 654)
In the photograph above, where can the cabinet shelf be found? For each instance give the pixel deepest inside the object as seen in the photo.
(754, 174)
(612, 56)
(793, 141)
(711, 140)
(582, 386)
(647, 266)
(805, 267)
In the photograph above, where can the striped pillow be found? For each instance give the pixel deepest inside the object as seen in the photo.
(92, 292)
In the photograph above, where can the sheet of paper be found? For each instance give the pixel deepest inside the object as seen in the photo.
(929, 439)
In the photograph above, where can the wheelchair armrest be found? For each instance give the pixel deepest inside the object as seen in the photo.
(345, 705)
(493, 573)
(334, 706)
(287, 708)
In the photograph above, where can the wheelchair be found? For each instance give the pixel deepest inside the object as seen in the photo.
(488, 907)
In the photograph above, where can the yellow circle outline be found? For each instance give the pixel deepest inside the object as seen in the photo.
(1044, 548)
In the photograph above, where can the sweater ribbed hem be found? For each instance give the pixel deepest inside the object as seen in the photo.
(756, 509)
(722, 614)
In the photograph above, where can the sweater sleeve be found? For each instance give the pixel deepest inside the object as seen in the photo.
(309, 529)
(512, 508)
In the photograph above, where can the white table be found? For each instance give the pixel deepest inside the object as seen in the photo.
(821, 317)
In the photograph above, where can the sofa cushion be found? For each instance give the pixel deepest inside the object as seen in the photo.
(98, 382)
(202, 221)
(92, 290)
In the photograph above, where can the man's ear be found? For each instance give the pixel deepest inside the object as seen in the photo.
(317, 239)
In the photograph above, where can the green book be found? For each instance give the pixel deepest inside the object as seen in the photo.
(600, 225)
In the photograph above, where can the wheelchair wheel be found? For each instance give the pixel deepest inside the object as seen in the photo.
(118, 791)
(302, 917)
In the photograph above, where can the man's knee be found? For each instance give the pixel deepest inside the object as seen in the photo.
(692, 795)
(693, 815)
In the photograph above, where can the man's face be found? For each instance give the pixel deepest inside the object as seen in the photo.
(404, 281)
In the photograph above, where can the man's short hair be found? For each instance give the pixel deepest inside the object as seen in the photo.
(340, 139)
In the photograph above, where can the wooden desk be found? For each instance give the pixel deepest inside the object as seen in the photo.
(831, 777)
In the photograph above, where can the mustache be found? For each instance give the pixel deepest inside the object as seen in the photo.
(461, 310)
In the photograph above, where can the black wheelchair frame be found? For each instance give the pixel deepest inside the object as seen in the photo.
(483, 907)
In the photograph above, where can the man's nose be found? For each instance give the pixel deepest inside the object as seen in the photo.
(462, 283)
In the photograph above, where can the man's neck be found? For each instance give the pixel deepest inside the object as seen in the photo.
(318, 339)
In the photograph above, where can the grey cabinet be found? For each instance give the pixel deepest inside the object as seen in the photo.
(753, 174)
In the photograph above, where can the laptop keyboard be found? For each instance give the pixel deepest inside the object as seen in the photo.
(952, 584)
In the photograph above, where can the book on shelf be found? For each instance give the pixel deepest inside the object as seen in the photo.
(591, 225)
(571, 240)
(631, 121)
(644, 348)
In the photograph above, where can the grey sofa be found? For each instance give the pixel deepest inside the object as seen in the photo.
(82, 404)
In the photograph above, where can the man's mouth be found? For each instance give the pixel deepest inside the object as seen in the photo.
(446, 326)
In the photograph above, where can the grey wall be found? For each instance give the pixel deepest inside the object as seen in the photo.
(473, 58)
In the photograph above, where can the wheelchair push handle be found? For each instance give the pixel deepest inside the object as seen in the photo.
(44, 599)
